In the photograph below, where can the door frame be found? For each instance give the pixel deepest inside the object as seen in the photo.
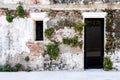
(94, 15)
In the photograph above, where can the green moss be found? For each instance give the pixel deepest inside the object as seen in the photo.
(109, 44)
(85, 2)
(17, 67)
(49, 32)
(72, 41)
(66, 41)
(53, 50)
(109, 22)
(7, 68)
(9, 16)
(107, 64)
(28, 69)
(79, 27)
(27, 58)
(20, 11)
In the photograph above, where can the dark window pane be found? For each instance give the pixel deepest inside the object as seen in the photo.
(39, 30)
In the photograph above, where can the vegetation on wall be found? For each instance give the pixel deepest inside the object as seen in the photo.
(8, 68)
(110, 39)
(72, 22)
(109, 19)
(107, 64)
(19, 12)
(49, 32)
(85, 2)
(9, 16)
(110, 43)
(79, 27)
(28, 69)
(109, 22)
(52, 50)
(17, 67)
(72, 41)
(27, 58)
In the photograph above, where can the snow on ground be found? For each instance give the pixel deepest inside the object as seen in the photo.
(61, 75)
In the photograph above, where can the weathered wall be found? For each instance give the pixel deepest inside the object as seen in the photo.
(17, 39)
(112, 31)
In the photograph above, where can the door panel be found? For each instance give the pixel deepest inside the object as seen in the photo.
(94, 42)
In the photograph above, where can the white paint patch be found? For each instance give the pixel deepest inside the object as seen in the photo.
(73, 61)
(44, 2)
(94, 14)
(12, 1)
(38, 16)
(13, 36)
(64, 33)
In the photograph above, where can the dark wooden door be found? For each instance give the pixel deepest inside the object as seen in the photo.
(94, 43)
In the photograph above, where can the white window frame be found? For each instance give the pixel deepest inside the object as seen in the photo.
(40, 16)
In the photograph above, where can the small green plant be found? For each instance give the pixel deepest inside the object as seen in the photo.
(53, 50)
(1, 69)
(107, 64)
(27, 58)
(72, 41)
(110, 18)
(85, 2)
(17, 67)
(66, 41)
(20, 11)
(80, 44)
(28, 69)
(49, 32)
(7, 68)
(79, 27)
(109, 44)
(9, 16)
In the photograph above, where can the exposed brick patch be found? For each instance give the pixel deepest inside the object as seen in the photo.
(27, 13)
(35, 48)
(2, 11)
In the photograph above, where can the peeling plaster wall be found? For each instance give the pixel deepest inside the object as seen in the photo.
(17, 40)
(14, 36)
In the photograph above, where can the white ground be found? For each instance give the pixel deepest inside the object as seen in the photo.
(61, 75)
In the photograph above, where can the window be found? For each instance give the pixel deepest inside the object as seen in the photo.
(39, 30)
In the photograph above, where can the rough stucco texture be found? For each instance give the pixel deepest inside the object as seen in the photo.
(17, 42)
(26, 1)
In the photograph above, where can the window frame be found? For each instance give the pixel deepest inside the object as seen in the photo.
(39, 16)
